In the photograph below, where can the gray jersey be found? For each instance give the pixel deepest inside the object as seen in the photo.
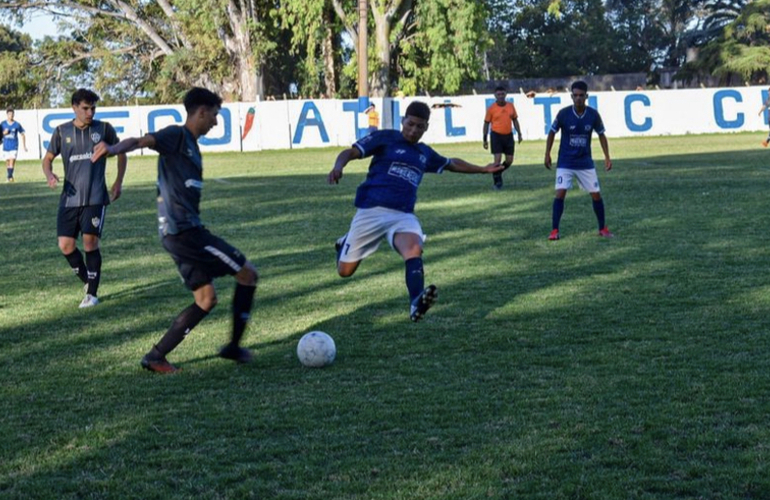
(84, 182)
(180, 180)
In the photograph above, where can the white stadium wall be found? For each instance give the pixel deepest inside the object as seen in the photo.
(321, 123)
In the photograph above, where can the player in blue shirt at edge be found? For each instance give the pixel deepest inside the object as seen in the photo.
(199, 255)
(576, 123)
(385, 200)
(11, 131)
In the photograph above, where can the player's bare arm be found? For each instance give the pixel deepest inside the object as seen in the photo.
(123, 147)
(518, 129)
(50, 177)
(343, 159)
(117, 187)
(463, 167)
(606, 150)
(548, 147)
(485, 134)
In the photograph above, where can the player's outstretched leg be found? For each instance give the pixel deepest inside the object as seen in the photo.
(155, 360)
(242, 302)
(423, 302)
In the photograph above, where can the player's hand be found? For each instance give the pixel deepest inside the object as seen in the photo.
(520, 138)
(334, 176)
(548, 161)
(607, 164)
(486, 145)
(53, 180)
(115, 191)
(101, 149)
(493, 168)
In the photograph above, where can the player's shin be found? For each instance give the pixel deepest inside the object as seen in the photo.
(94, 269)
(182, 325)
(242, 302)
(78, 265)
(415, 277)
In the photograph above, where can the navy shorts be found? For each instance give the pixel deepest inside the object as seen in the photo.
(71, 221)
(200, 256)
(501, 143)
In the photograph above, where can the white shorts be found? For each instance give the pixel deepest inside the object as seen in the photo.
(586, 179)
(370, 225)
(10, 155)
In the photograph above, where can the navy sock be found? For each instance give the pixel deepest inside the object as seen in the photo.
(78, 265)
(10, 173)
(182, 325)
(242, 301)
(599, 211)
(94, 267)
(558, 210)
(415, 278)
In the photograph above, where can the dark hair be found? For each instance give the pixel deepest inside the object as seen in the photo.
(499, 88)
(580, 85)
(197, 97)
(9, 110)
(418, 109)
(84, 95)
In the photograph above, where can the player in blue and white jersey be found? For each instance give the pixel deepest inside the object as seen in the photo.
(385, 200)
(199, 255)
(577, 123)
(11, 130)
(84, 198)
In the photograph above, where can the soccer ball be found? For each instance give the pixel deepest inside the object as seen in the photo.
(316, 349)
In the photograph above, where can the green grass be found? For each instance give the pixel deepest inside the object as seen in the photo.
(632, 368)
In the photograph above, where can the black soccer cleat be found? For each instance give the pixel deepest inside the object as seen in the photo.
(423, 302)
(235, 353)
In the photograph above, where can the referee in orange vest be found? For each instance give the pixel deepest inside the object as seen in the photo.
(503, 118)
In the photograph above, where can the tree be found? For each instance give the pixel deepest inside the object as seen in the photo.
(743, 48)
(17, 86)
(164, 46)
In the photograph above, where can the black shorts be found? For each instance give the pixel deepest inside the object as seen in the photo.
(71, 221)
(200, 256)
(501, 143)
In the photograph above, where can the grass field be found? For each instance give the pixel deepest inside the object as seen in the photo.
(631, 368)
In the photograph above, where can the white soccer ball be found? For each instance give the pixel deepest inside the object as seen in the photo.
(316, 349)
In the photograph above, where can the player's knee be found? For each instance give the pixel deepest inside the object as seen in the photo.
(207, 303)
(248, 275)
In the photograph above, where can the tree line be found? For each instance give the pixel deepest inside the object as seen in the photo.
(151, 51)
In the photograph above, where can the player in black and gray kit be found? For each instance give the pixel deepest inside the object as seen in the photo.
(84, 199)
(199, 255)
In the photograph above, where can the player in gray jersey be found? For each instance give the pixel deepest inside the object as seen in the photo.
(84, 198)
(199, 255)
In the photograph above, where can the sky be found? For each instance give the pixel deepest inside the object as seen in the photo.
(38, 26)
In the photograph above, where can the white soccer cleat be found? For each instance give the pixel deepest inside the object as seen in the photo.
(89, 301)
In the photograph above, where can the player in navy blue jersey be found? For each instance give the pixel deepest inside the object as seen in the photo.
(577, 123)
(199, 255)
(385, 200)
(84, 198)
(11, 130)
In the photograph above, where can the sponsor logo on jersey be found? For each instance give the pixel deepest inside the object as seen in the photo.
(81, 157)
(193, 183)
(400, 151)
(405, 172)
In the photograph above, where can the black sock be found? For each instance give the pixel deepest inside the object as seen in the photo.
(186, 321)
(78, 265)
(599, 211)
(94, 267)
(415, 277)
(10, 173)
(242, 301)
(497, 177)
(558, 210)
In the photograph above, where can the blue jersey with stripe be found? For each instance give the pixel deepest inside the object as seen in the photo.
(575, 144)
(11, 133)
(395, 171)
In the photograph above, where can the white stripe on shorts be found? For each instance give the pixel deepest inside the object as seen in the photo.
(223, 257)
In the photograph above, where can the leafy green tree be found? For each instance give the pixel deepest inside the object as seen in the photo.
(162, 47)
(18, 86)
(743, 48)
